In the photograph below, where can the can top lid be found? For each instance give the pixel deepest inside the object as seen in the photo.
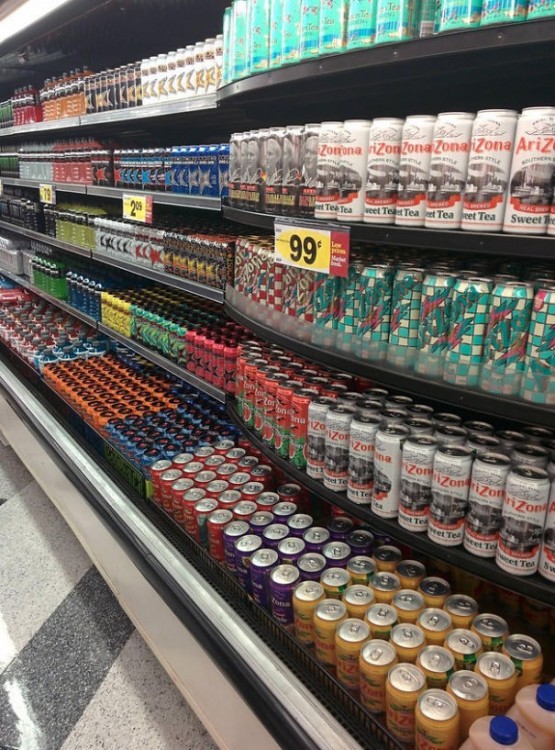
(434, 586)
(331, 610)
(494, 459)
(205, 506)
(252, 543)
(530, 472)
(358, 594)
(468, 685)
(336, 551)
(384, 581)
(464, 641)
(358, 122)
(477, 438)
(435, 619)
(316, 535)
(353, 630)
(411, 568)
(381, 614)
(378, 652)
(361, 564)
(393, 429)
(388, 553)
(309, 591)
(236, 528)
(360, 538)
(460, 604)
(262, 558)
(456, 451)
(437, 705)
(311, 562)
(291, 545)
(335, 577)
(406, 677)
(342, 409)
(495, 666)
(285, 574)
(245, 508)
(498, 112)
(491, 626)
(275, 531)
(545, 696)
(408, 600)
(340, 524)
(408, 635)
(503, 730)
(522, 647)
(284, 508)
(436, 659)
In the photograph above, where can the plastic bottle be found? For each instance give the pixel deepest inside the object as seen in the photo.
(495, 733)
(534, 712)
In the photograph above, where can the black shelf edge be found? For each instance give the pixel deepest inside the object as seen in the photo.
(176, 282)
(47, 240)
(504, 245)
(531, 586)
(205, 203)
(164, 363)
(384, 374)
(61, 187)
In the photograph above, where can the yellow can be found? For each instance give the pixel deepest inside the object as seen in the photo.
(492, 629)
(305, 599)
(327, 616)
(526, 655)
(384, 585)
(361, 569)
(465, 646)
(357, 599)
(335, 582)
(436, 624)
(387, 557)
(350, 637)
(409, 605)
(381, 618)
(438, 665)
(462, 609)
(434, 590)
(437, 721)
(376, 659)
(411, 573)
(471, 693)
(408, 640)
(499, 672)
(405, 682)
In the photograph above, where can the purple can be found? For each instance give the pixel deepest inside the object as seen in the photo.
(339, 527)
(311, 566)
(232, 532)
(337, 554)
(245, 548)
(228, 498)
(290, 549)
(260, 521)
(244, 510)
(360, 542)
(316, 539)
(274, 533)
(284, 510)
(299, 523)
(283, 580)
(262, 473)
(262, 563)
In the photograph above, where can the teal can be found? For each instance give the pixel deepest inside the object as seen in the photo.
(375, 311)
(333, 22)
(396, 20)
(310, 29)
(541, 9)
(259, 25)
(503, 11)
(361, 23)
(348, 315)
(433, 328)
(426, 18)
(459, 14)
(228, 47)
(538, 382)
(326, 295)
(239, 60)
(290, 30)
(276, 15)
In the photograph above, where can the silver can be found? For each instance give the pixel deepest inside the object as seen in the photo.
(316, 436)
(530, 455)
(353, 161)
(329, 170)
(419, 426)
(414, 170)
(416, 482)
(336, 468)
(450, 488)
(382, 181)
(387, 470)
(311, 566)
(480, 444)
(485, 503)
(547, 554)
(450, 435)
(361, 458)
(508, 440)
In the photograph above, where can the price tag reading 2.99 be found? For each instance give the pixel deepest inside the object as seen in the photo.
(313, 247)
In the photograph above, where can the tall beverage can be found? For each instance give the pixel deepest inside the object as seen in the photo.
(353, 170)
(333, 21)
(272, 167)
(275, 56)
(433, 326)
(485, 503)
(471, 693)
(387, 470)
(336, 468)
(539, 9)
(282, 582)
(405, 315)
(350, 292)
(291, 173)
(414, 170)
(361, 24)
(458, 14)
(382, 179)
(396, 22)
(361, 458)
(310, 29)
(309, 169)
(405, 683)
(329, 170)
(437, 721)
(547, 555)
(415, 493)
(259, 48)
(239, 62)
(538, 379)
(316, 436)
(450, 487)
(499, 672)
(376, 659)
(300, 403)
(375, 311)
(290, 32)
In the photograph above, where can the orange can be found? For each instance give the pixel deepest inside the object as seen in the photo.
(357, 599)
(409, 605)
(381, 618)
(438, 665)
(434, 590)
(405, 682)
(526, 655)
(462, 610)
(437, 721)
(350, 637)
(411, 573)
(306, 597)
(376, 659)
(327, 616)
(492, 629)
(436, 624)
(387, 557)
(499, 672)
(465, 646)
(384, 585)
(408, 640)
(471, 693)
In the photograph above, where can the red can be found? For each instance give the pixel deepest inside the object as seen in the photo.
(267, 500)
(263, 473)
(204, 452)
(217, 365)
(189, 500)
(215, 525)
(204, 478)
(269, 413)
(334, 390)
(251, 491)
(202, 512)
(260, 395)
(249, 388)
(156, 471)
(289, 492)
(223, 446)
(178, 489)
(284, 394)
(216, 488)
(247, 463)
(240, 364)
(226, 470)
(192, 469)
(235, 454)
(166, 480)
(244, 510)
(300, 402)
(231, 352)
(229, 498)
(238, 480)
(212, 462)
(182, 460)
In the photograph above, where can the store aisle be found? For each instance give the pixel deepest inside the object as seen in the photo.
(74, 673)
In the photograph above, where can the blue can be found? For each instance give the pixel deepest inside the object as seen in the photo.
(223, 169)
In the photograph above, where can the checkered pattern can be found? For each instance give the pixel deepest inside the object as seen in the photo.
(538, 384)
(348, 303)
(374, 311)
(326, 294)
(405, 312)
(433, 327)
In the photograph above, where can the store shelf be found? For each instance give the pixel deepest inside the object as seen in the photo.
(385, 374)
(52, 241)
(164, 363)
(61, 187)
(36, 128)
(206, 203)
(533, 586)
(504, 245)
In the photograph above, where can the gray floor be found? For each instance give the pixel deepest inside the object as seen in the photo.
(74, 673)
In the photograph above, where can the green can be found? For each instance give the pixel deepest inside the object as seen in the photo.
(348, 304)
(290, 32)
(310, 29)
(458, 14)
(276, 14)
(259, 25)
(538, 383)
(228, 47)
(361, 24)
(396, 20)
(375, 311)
(433, 328)
(405, 307)
(239, 62)
(326, 295)
(540, 9)
(333, 26)
(503, 11)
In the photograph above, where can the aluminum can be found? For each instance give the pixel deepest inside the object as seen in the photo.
(339, 527)
(448, 169)
(405, 682)
(387, 470)
(273, 534)
(361, 569)
(284, 510)
(267, 501)
(382, 178)
(306, 597)
(259, 46)
(485, 503)
(433, 325)
(189, 499)
(437, 721)
(411, 573)
(350, 637)
(335, 581)
(337, 554)
(465, 646)
(329, 170)
(538, 381)
(384, 586)
(253, 565)
(216, 488)
(290, 549)
(368, 407)
(276, 15)
(336, 469)
(357, 598)
(272, 170)
(446, 419)
(422, 411)
(489, 165)
(387, 557)
(333, 19)
(438, 664)
(309, 175)
(471, 693)
(382, 618)
(462, 610)
(419, 427)
(416, 482)
(316, 539)
(215, 527)
(376, 659)
(300, 403)
(395, 23)
(299, 523)
(531, 177)
(329, 613)
(310, 29)
(289, 185)
(435, 591)
(178, 490)
(414, 170)
(405, 315)
(523, 520)
(547, 554)
(353, 170)
(408, 640)
(376, 289)
(260, 520)
(436, 624)
(231, 533)
(450, 435)
(499, 672)
(311, 566)
(508, 440)
(458, 14)
(481, 444)
(360, 541)
(284, 394)
(361, 24)
(409, 605)
(526, 654)
(450, 487)
(536, 434)
(229, 498)
(361, 458)
(492, 629)
(282, 582)
(202, 511)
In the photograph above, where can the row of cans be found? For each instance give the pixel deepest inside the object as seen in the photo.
(488, 172)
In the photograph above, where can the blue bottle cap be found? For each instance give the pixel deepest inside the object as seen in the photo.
(545, 697)
(503, 730)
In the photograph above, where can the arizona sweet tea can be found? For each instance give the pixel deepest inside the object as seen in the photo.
(376, 289)
(532, 168)
(448, 168)
(414, 170)
(416, 482)
(547, 554)
(433, 326)
(489, 164)
(485, 503)
(329, 170)
(538, 380)
(387, 469)
(450, 487)
(316, 436)
(336, 466)
(437, 721)
(361, 24)
(361, 458)
(353, 164)
(382, 180)
(523, 520)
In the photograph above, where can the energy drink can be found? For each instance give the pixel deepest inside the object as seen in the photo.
(437, 721)
(414, 170)
(376, 659)
(261, 563)
(437, 664)
(328, 169)
(471, 693)
(416, 482)
(353, 170)
(405, 682)
(336, 468)
(384, 154)
(499, 672)
(328, 615)
(361, 24)
(306, 597)
(350, 637)
(362, 438)
(486, 498)
(387, 470)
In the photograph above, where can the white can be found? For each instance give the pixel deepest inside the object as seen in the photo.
(210, 65)
(361, 458)
(387, 469)
(450, 487)
(414, 170)
(417, 470)
(152, 80)
(145, 80)
(354, 157)
(531, 181)
(219, 58)
(200, 69)
(190, 77)
(336, 467)
(316, 436)
(523, 520)
(162, 78)
(329, 170)
(180, 90)
(382, 180)
(450, 151)
(489, 166)
(485, 503)
(547, 554)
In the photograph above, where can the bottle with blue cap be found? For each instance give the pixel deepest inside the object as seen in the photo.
(534, 712)
(496, 733)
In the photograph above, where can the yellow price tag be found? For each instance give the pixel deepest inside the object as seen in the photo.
(315, 248)
(138, 208)
(47, 194)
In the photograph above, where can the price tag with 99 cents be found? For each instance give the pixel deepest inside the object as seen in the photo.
(314, 247)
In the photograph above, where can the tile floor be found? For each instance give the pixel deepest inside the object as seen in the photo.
(74, 673)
